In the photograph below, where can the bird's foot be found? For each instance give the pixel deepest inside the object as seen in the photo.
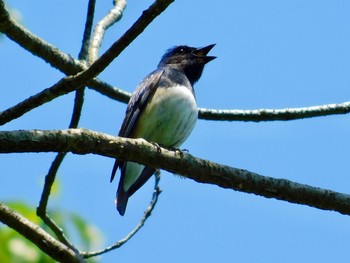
(179, 151)
(159, 148)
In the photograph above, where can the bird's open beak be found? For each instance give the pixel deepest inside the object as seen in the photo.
(202, 53)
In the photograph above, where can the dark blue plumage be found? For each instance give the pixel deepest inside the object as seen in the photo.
(162, 110)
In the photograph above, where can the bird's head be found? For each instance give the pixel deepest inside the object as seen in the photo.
(188, 59)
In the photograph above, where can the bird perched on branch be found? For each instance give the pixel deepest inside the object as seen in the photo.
(162, 110)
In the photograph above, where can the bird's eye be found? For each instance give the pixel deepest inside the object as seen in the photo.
(182, 50)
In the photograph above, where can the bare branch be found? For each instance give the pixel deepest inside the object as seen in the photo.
(41, 210)
(130, 35)
(62, 87)
(69, 83)
(113, 16)
(56, 58)
(146, 215)
(51, 175)
(109, 91)
(257, 115)
(38, 236)
(82, 141)
(38, 47)
(83, 54)
(274, 114)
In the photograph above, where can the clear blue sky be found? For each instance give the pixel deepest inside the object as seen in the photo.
(271, 54)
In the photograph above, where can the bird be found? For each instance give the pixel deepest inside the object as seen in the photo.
(162, 110)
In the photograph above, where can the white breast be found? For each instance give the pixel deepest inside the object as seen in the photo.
(169, 118)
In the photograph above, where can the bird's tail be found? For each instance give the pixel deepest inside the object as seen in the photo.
(115, 168)
(123, 196)
(121, 201)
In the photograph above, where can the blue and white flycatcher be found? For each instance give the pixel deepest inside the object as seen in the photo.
(162, 110)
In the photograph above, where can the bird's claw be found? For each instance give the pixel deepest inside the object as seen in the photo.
(180, 152)
(159, 148)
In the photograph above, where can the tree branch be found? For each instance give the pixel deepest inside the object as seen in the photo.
(52, 55)
(146, 215)
(72, 83)
(38, 236)
(56, 58)
(62, 87)
(51, 175)
(130, 35)
(109, 91)
(257, 115)
(113, 16)
(274, 114)
(84, 51)
(77, 108)
(41, 210)
(81, 141)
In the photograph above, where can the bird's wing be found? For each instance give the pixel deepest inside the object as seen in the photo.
(137, 102)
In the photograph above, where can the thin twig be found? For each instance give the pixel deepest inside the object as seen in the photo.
(62, 87)
(147, 214)
(41, 210)
(109, 91)
(275, 114)
(51, 175)
(77, 108)
(257, 115)
(130, 35)
(113, 16)
(83, 54)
